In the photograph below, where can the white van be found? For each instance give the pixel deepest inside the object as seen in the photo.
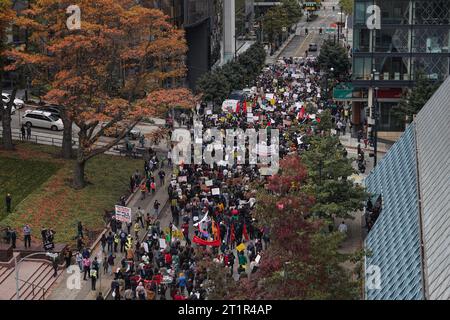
(36, 118)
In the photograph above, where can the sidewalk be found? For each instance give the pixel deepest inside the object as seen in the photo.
(60, 290)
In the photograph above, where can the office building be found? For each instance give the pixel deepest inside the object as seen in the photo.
(409, 243)
(414, 37)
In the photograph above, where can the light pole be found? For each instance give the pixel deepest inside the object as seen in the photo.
(17, 265)
(375, 129)
(326, 83)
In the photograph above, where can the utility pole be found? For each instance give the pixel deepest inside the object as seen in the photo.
(375, 128)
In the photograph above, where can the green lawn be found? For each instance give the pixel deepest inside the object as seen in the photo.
(53, 203)
(20, 178)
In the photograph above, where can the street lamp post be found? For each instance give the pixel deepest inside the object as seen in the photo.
(376, 115)
(326, 83)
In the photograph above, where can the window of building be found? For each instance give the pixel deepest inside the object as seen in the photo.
(431, 12)
(389, 120)
(360, 11)
(429, 40)
(392, 40)
(393, 68)
(362, 68)
(361, 40)
(434, 67)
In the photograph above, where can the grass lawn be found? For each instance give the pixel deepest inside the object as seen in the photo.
(21, 177)
(52, 202)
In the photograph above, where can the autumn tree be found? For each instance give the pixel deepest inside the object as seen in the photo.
(109, 74)
(302, 261)
(7, 16)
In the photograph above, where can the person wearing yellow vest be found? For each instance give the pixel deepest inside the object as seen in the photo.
(137, 228)
(129, 243)
(116, 241)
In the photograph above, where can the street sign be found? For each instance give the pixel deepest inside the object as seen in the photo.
(330, 30)
(123, 214)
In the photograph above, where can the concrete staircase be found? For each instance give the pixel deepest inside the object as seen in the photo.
(36, 278)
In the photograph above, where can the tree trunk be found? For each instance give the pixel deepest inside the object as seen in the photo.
(79, 181)
(6, 127)
(67, 139)
(78, 175)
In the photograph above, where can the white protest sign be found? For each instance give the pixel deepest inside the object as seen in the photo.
(209, 183)
(162, 243)
(123, 214)
(182, 179)
(215, 191)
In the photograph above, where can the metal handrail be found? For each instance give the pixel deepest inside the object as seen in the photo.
(44, 291)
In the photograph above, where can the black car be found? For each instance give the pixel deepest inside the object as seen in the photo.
(54, 110)
(312, 47)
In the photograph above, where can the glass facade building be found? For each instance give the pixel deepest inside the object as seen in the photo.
(414, 35)
(414, 38)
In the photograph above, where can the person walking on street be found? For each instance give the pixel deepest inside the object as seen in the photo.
(13, 236)
(93, 276)
(103, 242)
(156, 205)
(105, 264)
(116, 241)
(28, 132)
(79, 260)
(137, 229)
(153, 187)
(143, 188)
(86, 267)
(140, 216)
(8, 201)
(55, 262)
(27, 236)
(22, 130)
(162, 175)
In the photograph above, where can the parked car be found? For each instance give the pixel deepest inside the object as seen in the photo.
(53, 109)
(313, 47)
(42, 119)
(18, 103)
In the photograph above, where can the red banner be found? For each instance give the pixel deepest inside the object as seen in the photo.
(214, 243)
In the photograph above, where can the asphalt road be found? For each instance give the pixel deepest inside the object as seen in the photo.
(300, 43)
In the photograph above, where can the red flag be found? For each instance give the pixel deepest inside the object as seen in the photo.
(244, 233)
(238, 106)
(301, 114)
(245, 106)
(232, 236)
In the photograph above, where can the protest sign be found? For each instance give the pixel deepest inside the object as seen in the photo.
(182, 179)
(162, 243)
(209, 183)
(240, 247)
(123, 214)
(215, 191)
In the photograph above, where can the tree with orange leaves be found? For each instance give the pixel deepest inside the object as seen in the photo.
(7, 16)
(110, 73)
